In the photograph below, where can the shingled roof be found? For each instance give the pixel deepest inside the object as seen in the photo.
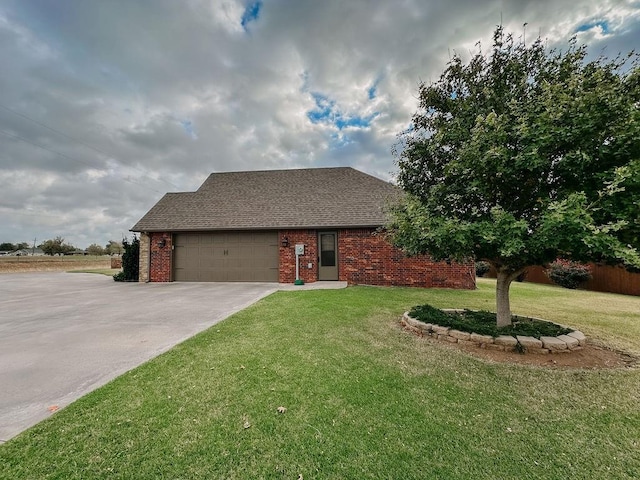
(275, 199)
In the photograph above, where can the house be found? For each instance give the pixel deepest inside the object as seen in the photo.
(26, 252)
(245, 226)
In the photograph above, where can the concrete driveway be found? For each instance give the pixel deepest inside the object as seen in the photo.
(63, 335)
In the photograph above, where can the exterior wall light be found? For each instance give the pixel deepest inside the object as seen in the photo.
(285, 242)
(162, 242)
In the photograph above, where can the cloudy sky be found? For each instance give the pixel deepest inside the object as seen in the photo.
(107, 105)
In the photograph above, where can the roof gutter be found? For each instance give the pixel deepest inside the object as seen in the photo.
(249, 228)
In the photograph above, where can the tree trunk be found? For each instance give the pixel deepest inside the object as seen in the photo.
(503, 307)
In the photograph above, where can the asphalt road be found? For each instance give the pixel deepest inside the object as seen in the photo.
(63, 335)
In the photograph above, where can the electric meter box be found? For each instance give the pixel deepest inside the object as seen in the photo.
(300, 249)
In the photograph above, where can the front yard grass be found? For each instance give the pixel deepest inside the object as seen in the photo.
(364, 399)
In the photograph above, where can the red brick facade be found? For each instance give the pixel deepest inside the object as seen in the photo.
(160, 257)
(309, 238)
(364, 257)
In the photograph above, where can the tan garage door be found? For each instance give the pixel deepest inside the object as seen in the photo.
(226, 257)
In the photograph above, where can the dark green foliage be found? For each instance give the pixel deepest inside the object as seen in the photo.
(568, 274)
(482, 268)
(521, 156)
(429, 314)
(56, 246)
(511, 154)
(7, 247)
(625, 202)
(484, 323)
(130, 261)
(95, 249)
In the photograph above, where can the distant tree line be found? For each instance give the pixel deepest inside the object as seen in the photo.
(12, 247)
(57, 246)
(111, 248)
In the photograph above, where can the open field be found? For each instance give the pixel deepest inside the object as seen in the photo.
(51, 264)
(363, 399)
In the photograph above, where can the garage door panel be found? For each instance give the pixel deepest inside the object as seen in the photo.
(180, 255)
(246, 263)
(219, 264)
(226, 257)
(192, 240)
(205, 240)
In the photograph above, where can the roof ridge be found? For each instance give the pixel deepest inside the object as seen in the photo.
(294, 169)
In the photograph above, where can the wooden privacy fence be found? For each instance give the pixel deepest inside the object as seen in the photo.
(605, 278)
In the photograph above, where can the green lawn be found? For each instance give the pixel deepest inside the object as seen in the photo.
(364, 399)
(101, 271)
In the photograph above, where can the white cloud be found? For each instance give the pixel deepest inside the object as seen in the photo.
(160, 96)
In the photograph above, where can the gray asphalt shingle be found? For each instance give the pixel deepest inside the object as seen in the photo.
(275, 199)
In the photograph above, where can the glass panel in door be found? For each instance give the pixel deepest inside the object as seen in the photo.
(328, 257)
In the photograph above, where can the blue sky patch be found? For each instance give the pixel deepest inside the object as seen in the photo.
(324, 108)
(251, 14)
(603, 24)
(327, 112)
(355, 121)
(373, 91)
(187, 126)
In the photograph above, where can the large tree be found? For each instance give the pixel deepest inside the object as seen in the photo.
(519, 157)
(113, 248)
(95, 249)
(56, 246)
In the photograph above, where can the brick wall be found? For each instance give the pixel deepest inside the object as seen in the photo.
(288, 258)
(365, 257)
(160, 257)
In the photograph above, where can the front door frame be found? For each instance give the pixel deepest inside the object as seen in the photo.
(328, 273)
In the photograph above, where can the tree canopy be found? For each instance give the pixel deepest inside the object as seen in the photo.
(56, 246)
(113, 248)
(95, 249)
(521, 156)
(10, 247)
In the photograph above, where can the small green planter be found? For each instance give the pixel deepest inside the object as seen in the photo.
(298, 282)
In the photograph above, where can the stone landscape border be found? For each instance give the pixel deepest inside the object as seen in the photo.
(570, 342)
